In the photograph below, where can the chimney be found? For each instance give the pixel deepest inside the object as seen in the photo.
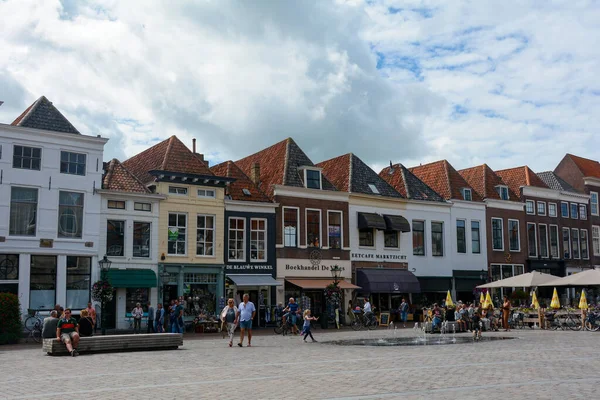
(255, 173)
(194, 145)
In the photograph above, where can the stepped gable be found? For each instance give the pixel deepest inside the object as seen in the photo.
(43, 115)
(444, 179)
(118, 178)
(408, 185)
(169, 155)
(517, 177)
(280, 165)
(555, 182)
(484, 181)
(349, 173)
(242, 181)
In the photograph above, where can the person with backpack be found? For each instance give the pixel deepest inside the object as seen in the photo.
(404, 311)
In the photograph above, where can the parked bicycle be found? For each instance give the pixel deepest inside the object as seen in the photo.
(33, 325)
(592, 321)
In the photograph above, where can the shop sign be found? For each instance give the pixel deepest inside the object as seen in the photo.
(309, 268)
(377, 257)
(173, 234)
(249, 267)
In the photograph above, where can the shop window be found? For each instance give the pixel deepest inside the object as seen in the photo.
(334, 229)
(258, 239)
(25, 157)
(497, 234)
(575, 243)
(554, 241)
(543, 229)
(137, 295)
(70, 214)
(72, 163)
(290, 227)
(237, 239)
(141, 239)
(177, 234)
(514, 241)
(79, 271)
(116, 204)
(42, 284)
(566, 234)
(23, 211)
(584, 245)
(199, 293)
(205, 239)
(115, 238)
(475, 238)
(461, 236)
(418, 228)
(437, 239)
(313, 228)
(366, 237)
(391, 239)
(9, 273)
(532, 240)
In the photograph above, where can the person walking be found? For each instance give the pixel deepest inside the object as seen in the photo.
(506, 306)
(159, 319)
(150, 319)
(229, 318)
(137, 313)
(177, 318)
(306, 327)
(245, 315)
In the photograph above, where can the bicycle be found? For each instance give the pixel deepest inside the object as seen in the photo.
(573, 322)
(516, 320)
(592, 322)
(361, 321)
(34, 324)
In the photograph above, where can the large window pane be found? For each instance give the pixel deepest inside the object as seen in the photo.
(554, 241)
(27, 157)
(584, 245)
(70, 214)
(313, 228)
(237, 239)
(79, 271)
(475, 240)
(461, 239)
(137, 295)
(334, 229)
(497, 236)
(290, 227)
(513, 232)
(543, 240)
(23, 211)
(72, 163)
(141, 239)
(9, 267)
(437, 238)
(532, 240)
(205, 239)
(177, 234)
(42, 286)
(366, 237)
(566, 242)
(258, 239)
(575, 243)
(115, 238)
(418, 238)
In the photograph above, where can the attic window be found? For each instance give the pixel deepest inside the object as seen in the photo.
(313, 179)
(467, 195)
(502, 192)
(373, 188)
(206, 193)
(246, 192)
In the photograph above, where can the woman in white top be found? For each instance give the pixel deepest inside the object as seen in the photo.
(137, 313)
(229, 317)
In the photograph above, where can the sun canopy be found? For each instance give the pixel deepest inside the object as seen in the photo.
(132, 278)
(530, 279)
(242, 280)
(387, 281)
(320, 283)
(371, 221)
(396, 223)
(590, 277)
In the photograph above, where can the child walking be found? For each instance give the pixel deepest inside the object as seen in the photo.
(306, 327)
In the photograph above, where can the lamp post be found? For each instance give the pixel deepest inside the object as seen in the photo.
(483, 275)
(165, 278)
(336, 272)
(104, 264)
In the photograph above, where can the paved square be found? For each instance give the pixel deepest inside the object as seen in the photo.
(537, 365)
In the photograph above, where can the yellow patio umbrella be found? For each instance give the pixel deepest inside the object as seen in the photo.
(481, 299)
(488, 301)
(535, 302)
(449, 302)
(583, 305)
(555, 302)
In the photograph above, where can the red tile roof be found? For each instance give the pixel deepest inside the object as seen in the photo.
(272, 161)
(408, 185)
(337, 170)
(520, 176)
(118, 178)
(444, 179)
(484, 181)
(169, 155)
(589, 168)
(236, 189)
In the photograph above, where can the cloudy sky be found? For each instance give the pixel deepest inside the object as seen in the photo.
(503, 82)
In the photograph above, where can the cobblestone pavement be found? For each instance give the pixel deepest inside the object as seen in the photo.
(537, 365)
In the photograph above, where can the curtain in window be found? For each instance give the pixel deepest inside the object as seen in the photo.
(23, 210)
(70, 214)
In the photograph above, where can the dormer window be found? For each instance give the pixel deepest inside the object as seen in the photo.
(373, 188)
(246, 192)
(313, 178)
(467, 195)
(502, 192)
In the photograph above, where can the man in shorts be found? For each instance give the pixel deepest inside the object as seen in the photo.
(292, 312)
(67, 331)
(246, 313)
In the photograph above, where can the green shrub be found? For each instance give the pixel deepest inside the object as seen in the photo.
(11, 327)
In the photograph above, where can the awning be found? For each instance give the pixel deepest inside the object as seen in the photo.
(396, 223)
(242, 280)
(132, 278)
(387, 281)
(320, 283)
(467, 280)
(435, 284)
(370, 220)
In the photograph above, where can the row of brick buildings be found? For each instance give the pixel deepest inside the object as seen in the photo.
(274, 223)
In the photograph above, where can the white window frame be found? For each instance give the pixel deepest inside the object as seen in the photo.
(142, 204)
(69, 152)
(187, 232)
(568, 209)
(214, 241)
(562, 238)
(527, 203)
(464, 194)
(116, 201)
(465, 231)
(558, 239)
(540, 241)
(555, 214)
(583, 216)
(479, 235)
(536, 240)
(592, 203)
(443, 238)
(306, 210)
(37, 209)
(176, 190)
(320, 178)
(205, 195)
(424, 222)
(341, 228)
(543, 209)
(243, 230)
(266, 232)
(502, 188)
(149, 256)
(518, 235)
(571, 210)
(587, 244)
(283, 208)
(30, 158)
(83, 217)
(573, 230)
(501, 233)
(596, 240)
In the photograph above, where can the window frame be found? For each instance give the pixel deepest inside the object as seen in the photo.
(503, 189)
(54, 276)
(266, 233)
(423, 235)
(596, 238)
(440, 223)
(205, 195)
(176, 190)
(541, 210)
(341, 213)
(69, 162)
(82, 206)
(478, 240)
(243, 240)
(89, 280)
(306, 170)
(583, 216)
(545, 239)
(464, 236)
(116, 201)
(112, 222)
(567, 254)
(464, 194)
(527, 208)
(518, 249)
(573, 231)
(397, 235)
(186, 234)
(529, 254)
(501, 234)
(550, 226)
(555, 213)
(313, 210)
(30, 158)
(592, 203)
(576, 214)
(214, 236)
(136, 203)
(36, 211)
(297, 233)
(133, 236)
(562, 209)
(587, 244)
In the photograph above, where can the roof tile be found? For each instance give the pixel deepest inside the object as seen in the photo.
(408, 185)
(555, 182)
(444, 179)
(242, 181)
(589, 168)
(43, 115)
(484, 181)
(118, 178)
(517, 177)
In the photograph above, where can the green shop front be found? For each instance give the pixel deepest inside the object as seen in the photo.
(201, 287)
(132, 286)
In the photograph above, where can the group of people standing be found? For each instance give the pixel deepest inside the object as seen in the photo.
(157, 323)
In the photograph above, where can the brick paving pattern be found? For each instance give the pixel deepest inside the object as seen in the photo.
(537, 365)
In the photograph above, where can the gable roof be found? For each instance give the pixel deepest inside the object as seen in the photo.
(242, 181)
(589, 168)
(43, 115)
(520, 176)
(118, 178)
(444, 179)
(484, 181)
(169, 155)
(350, 174)
(555, 182)
(408, 185)
(280, 165)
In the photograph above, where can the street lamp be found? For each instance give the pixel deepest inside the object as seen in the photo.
(165, 278)
(336, 272)
(104, 264)
(483, 275)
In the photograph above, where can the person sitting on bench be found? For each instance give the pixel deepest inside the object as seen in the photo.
(67, 331)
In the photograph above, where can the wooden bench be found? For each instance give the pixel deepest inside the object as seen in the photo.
(114, 343)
